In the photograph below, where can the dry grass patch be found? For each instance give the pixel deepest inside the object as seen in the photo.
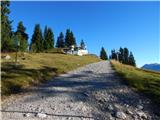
(35, 68)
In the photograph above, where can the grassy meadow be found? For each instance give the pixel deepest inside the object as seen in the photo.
(144, 81)
(36, 68)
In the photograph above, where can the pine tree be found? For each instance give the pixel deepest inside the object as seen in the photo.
(48, 42)
(51, 38)
(131, 60)
(60, 41)
(37, 39)
(103, 54)
(22, 36)
(45, 45)
(73, 40)
(113, 54)
(126, 55)
(69, 38)
(7, 41)
(82, 45)
(121, 55)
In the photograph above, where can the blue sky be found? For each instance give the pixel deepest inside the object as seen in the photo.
(135, 25)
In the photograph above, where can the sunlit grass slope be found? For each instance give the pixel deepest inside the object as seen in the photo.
(35, 68)
(141, 80)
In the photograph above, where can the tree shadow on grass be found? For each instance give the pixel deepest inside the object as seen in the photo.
(15, 77)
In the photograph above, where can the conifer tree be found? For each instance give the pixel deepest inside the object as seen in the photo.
(69, 38)
(113, 54)
(82, 45)
(60, 41)
(131, 60)
(121, 55)
(73, 40)
(7, 41)
(48, 42)
(126, 55)
(103, 54)
(37, 40)
(45, 44)
(51, 38)
(22, 36)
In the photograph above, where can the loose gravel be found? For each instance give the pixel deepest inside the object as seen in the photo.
(93, 92)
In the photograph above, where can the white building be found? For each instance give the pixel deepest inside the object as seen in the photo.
(76, 51)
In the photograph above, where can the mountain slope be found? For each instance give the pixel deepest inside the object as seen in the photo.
(155, 67)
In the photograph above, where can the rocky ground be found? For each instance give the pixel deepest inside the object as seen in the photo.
(92, 92)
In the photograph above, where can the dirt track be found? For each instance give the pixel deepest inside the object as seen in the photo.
(92, 92)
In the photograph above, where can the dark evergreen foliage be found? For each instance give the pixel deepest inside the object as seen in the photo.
(126, 55)
(60, 41)
(22, 36)
(131, 60)
(113, 54)
(37, 40)
(7, 41)
(69, 38)
(123, 56)
(82, 45)
(103, 54)
(48, 42)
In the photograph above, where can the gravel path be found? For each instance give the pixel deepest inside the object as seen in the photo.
(92, 92)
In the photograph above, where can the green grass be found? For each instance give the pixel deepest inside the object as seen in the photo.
(36, 68)
(143, 81)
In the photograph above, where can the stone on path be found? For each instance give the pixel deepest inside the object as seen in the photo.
(121, 115)
(142, 114)
(41, 115)
(7, 57)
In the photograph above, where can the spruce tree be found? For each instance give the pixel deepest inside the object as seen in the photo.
(22, 36)
(113, 54)
(69, 38)
(7, 41)
(73, 40)
(51, 38)
(60, 41)
(126, 55)
(45, 44)
(37, 40)
(82, 45)
(48, 42)
(131, 60)
(103, 54)
(121, 55)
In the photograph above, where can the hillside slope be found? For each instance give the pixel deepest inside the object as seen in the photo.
(35, 68)
(144, 81)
